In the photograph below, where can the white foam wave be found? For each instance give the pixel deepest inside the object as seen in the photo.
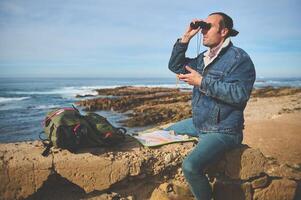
(8, 99)
(276, 83)
(72, 91)
(64, 91)
(181, 85)
(44, 107)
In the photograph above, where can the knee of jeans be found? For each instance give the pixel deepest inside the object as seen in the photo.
(189, 168)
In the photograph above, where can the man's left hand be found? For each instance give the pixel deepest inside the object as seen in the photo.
(193, 78)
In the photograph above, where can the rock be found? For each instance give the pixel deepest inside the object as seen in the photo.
(90, 172)
(244, 163)
(143, 105)
(84, 96)
(161, 193)
(225, 190)
(283, 170)
(270, 91)
(260, 182)
(283, 189)
(23, 170)
(168, 158)
(181, 190)
(175, 191)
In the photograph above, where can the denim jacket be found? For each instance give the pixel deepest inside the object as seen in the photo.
(218, 103)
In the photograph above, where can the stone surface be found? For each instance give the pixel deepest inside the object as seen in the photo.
(160, 193)
(23, 170)
(260, 182)
(271, 91)
(144, 105)
(282, 189)
(172, 191)
(244, 163)
(239, 173)
(227, 190)
(283, 170)
(90, 172)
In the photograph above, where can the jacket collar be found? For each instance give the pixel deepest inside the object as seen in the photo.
(207, 58)
(224, 45)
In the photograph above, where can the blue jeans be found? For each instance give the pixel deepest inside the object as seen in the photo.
(210, 146)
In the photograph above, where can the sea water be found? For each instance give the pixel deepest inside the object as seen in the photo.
(24, 102)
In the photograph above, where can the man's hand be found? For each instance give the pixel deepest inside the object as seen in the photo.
(189, 33)
(193, 78)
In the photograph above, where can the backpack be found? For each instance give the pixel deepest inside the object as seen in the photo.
(66, 128)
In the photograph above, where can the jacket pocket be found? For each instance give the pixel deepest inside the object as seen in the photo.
(215, 74)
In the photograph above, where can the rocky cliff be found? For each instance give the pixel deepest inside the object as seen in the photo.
(131, 171)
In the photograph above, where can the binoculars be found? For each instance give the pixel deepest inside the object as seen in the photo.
(201, 24)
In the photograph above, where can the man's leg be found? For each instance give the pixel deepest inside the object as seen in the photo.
(184, 127)
(209, 147)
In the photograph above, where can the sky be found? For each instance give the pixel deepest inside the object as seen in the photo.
(134, 38)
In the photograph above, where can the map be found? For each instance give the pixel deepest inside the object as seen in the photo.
(161, 137)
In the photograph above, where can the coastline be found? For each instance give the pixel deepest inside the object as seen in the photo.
(272, 132)
(272, 115)
(24, 102)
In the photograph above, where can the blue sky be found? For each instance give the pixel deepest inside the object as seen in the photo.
(134, 38)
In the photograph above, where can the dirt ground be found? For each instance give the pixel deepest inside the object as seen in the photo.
(273, 124)
(279, 137)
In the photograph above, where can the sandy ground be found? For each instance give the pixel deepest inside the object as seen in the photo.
(273, 124)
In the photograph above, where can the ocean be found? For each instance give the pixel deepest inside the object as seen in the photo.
(24, 102)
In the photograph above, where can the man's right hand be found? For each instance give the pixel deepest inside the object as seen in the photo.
(189, 33)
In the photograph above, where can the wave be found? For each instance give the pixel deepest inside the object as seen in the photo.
(64, 91)
(278, 83)
(180, 85)
(45, 107)
(9, 99)
(72, 91)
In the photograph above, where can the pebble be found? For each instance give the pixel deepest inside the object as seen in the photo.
(168, 158)
(130, 198)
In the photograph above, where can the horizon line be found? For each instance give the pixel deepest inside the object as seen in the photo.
(124, 77)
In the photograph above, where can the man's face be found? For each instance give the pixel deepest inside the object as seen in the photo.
(214, 36)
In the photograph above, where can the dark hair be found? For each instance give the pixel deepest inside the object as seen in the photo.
(226, 22)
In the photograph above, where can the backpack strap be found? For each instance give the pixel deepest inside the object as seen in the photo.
(73, 106)
(57, 112)
(122, 131)
(47, 145)
(44, 141)
(47, 149)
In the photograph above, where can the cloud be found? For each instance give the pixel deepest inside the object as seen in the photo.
(133, 33)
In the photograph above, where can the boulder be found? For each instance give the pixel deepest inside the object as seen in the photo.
(243, 173)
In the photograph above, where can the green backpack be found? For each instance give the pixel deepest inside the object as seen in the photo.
(66, 128)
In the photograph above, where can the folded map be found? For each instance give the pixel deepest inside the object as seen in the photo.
(161, 137)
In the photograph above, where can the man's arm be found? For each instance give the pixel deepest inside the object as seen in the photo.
(236, 87)
(178, 60)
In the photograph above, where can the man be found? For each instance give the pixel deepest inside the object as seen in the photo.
(223, 79)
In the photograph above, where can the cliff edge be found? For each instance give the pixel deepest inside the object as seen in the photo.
(130, 171)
